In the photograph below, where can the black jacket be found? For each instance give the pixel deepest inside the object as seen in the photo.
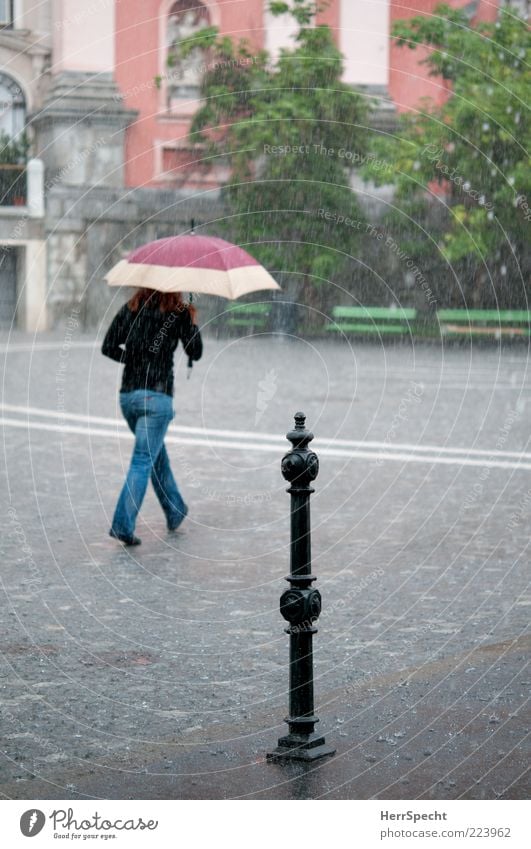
(145, 342)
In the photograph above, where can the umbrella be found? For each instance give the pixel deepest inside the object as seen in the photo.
(192, 263)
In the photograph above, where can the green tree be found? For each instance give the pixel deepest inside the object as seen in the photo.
(473, 150)
(291, 131)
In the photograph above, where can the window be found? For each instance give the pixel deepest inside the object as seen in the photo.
(6, 13)
(12, 107)
(185, 19)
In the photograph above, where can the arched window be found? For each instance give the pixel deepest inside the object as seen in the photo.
(185, 18)
(12, 107)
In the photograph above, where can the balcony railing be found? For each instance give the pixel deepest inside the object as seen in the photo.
(13, 185)
(22, 186)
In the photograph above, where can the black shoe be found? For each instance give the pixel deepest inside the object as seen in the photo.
(181, 520)
(125, 538)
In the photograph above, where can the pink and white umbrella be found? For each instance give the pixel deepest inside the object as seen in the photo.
(192, 263)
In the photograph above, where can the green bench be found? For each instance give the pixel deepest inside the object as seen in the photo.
(495, 323)
(249, 316)
(372, 320)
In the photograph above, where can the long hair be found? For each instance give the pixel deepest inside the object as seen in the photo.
(165, 301)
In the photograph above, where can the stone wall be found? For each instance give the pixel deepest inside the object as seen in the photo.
(89, 229)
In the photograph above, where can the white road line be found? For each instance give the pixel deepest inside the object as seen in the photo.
(329, 443)
(262, 446)
(480, 387)
(57, 414)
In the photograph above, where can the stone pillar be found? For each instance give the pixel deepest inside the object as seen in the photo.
(80, 131)
(33, 280)
(80, 127)
(35, 188)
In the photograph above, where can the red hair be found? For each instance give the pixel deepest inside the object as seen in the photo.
(165, 301)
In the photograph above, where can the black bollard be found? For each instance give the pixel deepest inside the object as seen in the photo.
(300, 605)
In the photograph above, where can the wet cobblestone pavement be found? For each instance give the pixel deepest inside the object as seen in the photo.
(161, 671)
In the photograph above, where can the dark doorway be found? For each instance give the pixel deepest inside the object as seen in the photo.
(8, 285)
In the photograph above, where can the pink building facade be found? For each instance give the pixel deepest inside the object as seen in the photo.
(157, 148)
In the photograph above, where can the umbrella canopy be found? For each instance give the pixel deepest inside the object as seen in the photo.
(192, 263)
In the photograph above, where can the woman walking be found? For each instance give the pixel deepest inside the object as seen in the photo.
(144, 335)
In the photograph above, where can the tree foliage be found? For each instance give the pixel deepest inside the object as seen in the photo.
(288, 129)
(474, 149)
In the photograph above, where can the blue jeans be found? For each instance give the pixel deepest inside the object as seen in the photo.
(148, 414)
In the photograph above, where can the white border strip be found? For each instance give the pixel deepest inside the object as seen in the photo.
(258, 446)
(328, 444)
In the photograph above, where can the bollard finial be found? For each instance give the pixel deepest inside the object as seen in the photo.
(300, 466)
(299, 436)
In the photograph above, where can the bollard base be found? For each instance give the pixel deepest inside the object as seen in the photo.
(282, 754)
(300, 747)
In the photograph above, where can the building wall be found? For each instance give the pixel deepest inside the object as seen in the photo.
(141, 58)
(360, 27)
(26, 235)
(364, 41)
(83, 35)
(24, 56)
(25, 49)
(89, 233)
(157, 148)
